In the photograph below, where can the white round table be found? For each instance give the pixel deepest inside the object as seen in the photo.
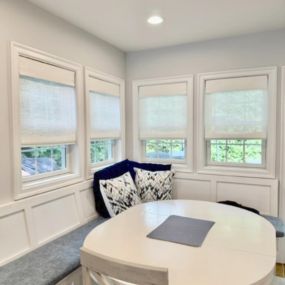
(240, 249)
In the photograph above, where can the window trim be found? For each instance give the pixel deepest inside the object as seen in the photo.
(76, 174)
(119, 143)
(269, 170)
(138, 152)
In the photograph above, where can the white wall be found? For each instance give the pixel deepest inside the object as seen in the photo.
(257, 50)
(29, 223)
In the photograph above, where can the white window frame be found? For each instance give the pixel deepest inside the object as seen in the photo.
(101, 164)
(36, 177)
(202, 164)
(179, 162)
(28, 187)
(138, 152)
(119, 144)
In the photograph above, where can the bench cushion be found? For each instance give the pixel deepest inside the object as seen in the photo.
(50, 263)
(277, 224)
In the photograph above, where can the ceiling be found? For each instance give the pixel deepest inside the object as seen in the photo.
(123, 22)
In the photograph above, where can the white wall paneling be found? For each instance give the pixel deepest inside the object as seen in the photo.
(193, 189)
(14, 235)
(51, 221)
(87, 203)
(261, 194)
(30, 223)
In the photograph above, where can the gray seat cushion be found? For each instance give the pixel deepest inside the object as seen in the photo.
(50, 263)
(277, 224)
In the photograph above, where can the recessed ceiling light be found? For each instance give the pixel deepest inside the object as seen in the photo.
(155, 20)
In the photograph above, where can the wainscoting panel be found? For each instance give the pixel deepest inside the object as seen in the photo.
(55, 217)
(258, 193)
(87, 204)
(192, 189)
(29, 223)
(14, 236)
(256, 196)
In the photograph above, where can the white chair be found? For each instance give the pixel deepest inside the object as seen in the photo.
(106, 271)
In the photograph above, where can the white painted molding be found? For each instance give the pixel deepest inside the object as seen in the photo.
(281, 242)
(120, 147)
(32, 220)
(76, 175)
(137, 146)
(269, 171)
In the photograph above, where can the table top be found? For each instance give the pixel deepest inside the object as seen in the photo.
(240, 249)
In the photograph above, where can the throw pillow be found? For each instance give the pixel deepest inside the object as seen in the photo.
(146, 166)
(119, 194)
(109, 172)
(154, 185)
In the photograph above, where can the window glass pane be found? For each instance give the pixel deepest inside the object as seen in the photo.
(253, 152)
(43, 159)
(218, 151)
(101, 150)
(165, 149)
(236, 151)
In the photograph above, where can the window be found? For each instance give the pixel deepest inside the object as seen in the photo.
(164, 130)
(238, 121)
(105, 130)
(45, 121)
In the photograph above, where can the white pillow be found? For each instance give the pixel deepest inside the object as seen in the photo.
(119, 193)
(154, 185)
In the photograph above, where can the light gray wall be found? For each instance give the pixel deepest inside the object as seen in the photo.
(263, 49)
(29, 25)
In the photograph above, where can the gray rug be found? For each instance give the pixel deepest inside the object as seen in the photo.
(50, 263)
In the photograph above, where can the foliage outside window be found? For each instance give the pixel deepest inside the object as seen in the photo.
(101, 151)
(239, 152)
(38, 160)
(172, 149)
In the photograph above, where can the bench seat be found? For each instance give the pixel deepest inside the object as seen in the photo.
(50, 263)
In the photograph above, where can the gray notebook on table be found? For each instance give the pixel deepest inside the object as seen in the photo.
(182, 230)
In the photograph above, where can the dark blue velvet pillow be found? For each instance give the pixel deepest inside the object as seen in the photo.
(117, 170)
(110, 172)
(146, 166)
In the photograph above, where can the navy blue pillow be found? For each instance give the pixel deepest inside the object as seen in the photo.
(117, 170)
(109, 172)
(146, 166)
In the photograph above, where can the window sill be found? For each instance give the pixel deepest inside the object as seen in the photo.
(236, 171)
(36, 187)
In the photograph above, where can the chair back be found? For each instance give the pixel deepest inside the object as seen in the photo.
(108, 271)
